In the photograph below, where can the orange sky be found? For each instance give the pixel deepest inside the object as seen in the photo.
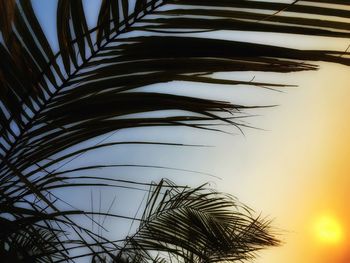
(299, 170)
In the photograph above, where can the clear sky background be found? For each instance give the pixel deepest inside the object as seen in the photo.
(296, 171)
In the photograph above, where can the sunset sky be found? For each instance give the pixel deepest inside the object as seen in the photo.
(295, 171)
(298, 171)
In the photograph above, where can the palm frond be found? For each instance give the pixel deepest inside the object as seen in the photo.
(196, 225)
(83, 97)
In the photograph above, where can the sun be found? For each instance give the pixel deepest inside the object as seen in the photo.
(329, 230)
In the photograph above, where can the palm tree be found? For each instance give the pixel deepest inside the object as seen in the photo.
(52, 103)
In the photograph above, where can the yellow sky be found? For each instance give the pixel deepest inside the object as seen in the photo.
(299, 170)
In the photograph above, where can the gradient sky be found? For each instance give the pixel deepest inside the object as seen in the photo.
(295, 171)
(298, 170)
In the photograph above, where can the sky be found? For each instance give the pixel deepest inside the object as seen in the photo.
(298, 170)
(294, 171)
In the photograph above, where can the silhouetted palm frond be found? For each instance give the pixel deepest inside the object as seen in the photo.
(52, 102)
(195, 225)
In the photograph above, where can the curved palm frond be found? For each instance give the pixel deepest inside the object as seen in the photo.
(52, 102)
(83, 98)
(196, 225)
